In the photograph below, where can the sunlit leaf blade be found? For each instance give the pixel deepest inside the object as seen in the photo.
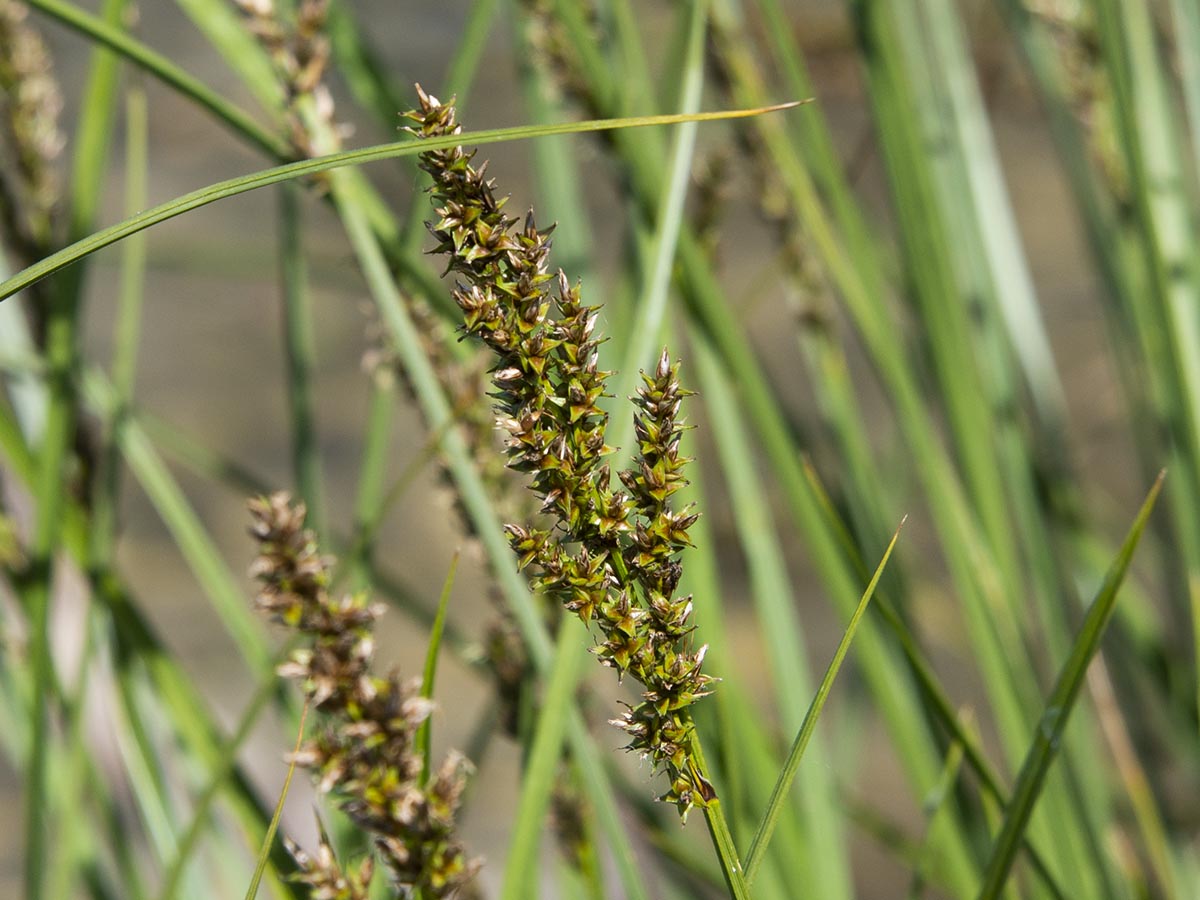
(762, 837)
(264, 855)
(1048, 734)
(234, 186)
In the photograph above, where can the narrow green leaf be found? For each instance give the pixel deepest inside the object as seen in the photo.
(424, 733)
(62, 341)
(758, 847)
(1048, 733)
(542, 768)
(264, 855)
(988, 204)
(234, 186)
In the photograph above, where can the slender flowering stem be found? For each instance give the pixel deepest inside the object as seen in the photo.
(608, 555)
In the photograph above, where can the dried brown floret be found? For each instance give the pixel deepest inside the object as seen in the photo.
(364, 751)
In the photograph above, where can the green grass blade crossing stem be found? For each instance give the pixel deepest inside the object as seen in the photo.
(1053, 721)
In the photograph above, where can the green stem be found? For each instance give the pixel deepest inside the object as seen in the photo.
(217, 780)
(718, 829)
(50, 501)
(300, 353)
(62, 358)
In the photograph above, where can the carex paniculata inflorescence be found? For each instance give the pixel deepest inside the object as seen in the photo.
(609, 555)
(364, 751)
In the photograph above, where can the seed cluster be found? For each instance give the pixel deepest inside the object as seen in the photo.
(610, 555)
(364, 750)
(299, 49)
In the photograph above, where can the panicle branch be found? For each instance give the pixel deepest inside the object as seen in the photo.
(609, 554)
(364, 751)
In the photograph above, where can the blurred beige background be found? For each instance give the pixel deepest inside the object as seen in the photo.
(211, 364)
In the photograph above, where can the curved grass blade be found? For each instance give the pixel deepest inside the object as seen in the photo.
(758, 846)
(265, 854)
(234, 186)
(423, 739)
(1052, 723)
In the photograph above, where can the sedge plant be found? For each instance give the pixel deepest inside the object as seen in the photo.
(1033, 722)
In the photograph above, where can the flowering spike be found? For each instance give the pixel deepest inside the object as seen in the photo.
(611, 557)
(366, 751)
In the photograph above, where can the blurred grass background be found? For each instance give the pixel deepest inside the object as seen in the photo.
(1012, 386)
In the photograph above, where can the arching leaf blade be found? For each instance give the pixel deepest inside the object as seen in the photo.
(243, 184)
